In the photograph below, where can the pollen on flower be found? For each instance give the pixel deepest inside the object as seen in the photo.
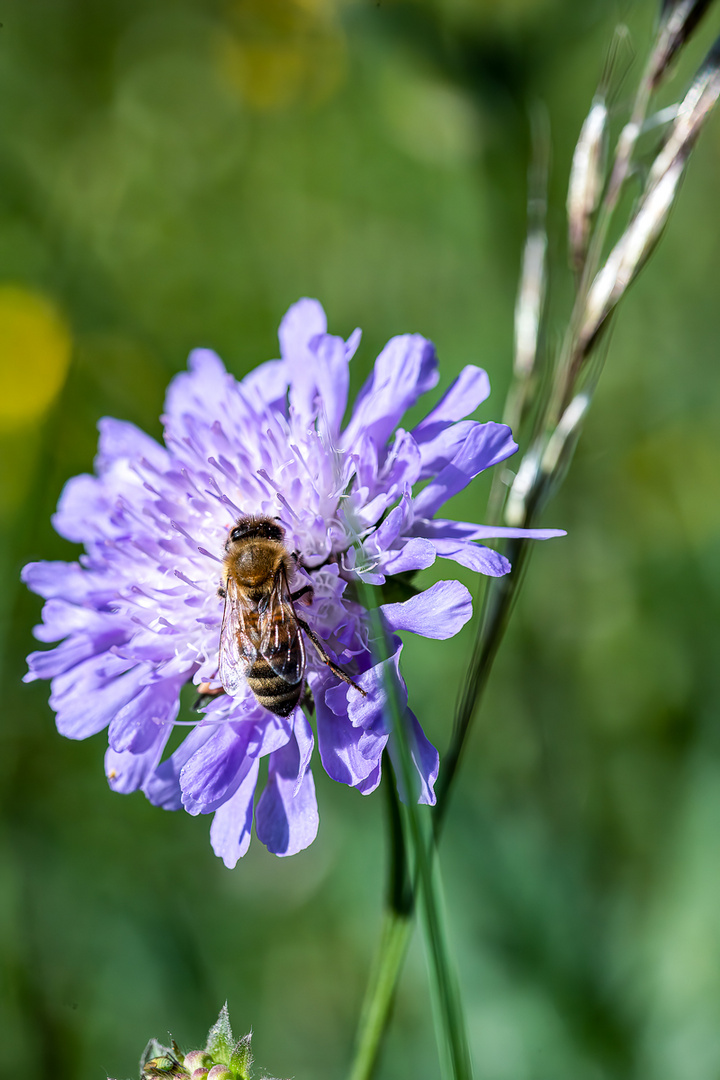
(140, 616)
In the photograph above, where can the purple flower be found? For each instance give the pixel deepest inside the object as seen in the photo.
(139, 614)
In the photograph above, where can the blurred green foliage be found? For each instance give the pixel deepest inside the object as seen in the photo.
(175, 173)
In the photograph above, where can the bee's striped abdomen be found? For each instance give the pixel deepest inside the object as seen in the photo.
(271, 689)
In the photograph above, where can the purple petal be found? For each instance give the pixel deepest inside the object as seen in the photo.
(443, 529)
(482, 560)
(441, 444)
(232, 823)
(416, 553)
(89, 702)
(134, 728)
(69, 581)
(469, 390)
(486, 445)
(213, 773)
(84, 510)
(162, 787)
(405, 369)
(79, 647)
(438, 612)
(316, 363)
(338, 744)
(268, 382)
(306, 743)
(370, 711)
(439, 435)
(424, 757)
(303, 320)
(121, 440)
(196, 392)
(287, 816)
(128, 771)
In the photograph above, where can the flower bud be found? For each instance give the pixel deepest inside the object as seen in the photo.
(220, 1072)
(197, 1059)
(199, 1074)
(587, 175)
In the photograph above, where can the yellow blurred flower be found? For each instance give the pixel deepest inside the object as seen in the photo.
(277, 52)
(35, 346)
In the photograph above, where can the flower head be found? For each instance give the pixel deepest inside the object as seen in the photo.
(139, 614)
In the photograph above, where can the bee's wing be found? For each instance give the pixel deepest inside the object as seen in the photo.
(281, 642)
(237, 650)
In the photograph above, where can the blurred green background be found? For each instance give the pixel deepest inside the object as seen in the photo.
(175, 173)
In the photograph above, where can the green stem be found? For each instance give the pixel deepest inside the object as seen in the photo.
(394, 940)
(380, 995)
(447, 1009)
(497, 608)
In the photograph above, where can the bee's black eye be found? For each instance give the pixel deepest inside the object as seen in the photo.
(237, 534)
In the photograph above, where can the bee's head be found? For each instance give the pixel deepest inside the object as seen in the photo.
(261, 527)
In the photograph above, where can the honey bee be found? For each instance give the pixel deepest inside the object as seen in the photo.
(261, 635)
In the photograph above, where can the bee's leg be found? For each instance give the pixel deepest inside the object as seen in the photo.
(205, 694)
(302, 592)
(221, 592)
(325, 658)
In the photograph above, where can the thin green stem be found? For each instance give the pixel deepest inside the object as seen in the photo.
(394, 940)
(497, 607)
(380, 995)
(417, 830)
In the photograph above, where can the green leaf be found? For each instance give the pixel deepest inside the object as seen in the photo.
(220, 1038)
(241, 1058)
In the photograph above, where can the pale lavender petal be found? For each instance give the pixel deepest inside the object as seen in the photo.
(91, 705)
(67, 655)
(462, 397)
(424, 757)
(303, 320)
(416, 553)
(269, 382)
(482, 560)
(306, 743)
(70, 581)
(338, 744)
(405, 369)
(440, 445)
(286, 818)
(134, 727)
(438, 612)
(128, 771)
(466, 530)
(162, 787)
(84, 511)
(439, 435)
(486, 445)
(121, 440)
(232, 823)
(211, 775)
(351, 345)
(196, 392)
